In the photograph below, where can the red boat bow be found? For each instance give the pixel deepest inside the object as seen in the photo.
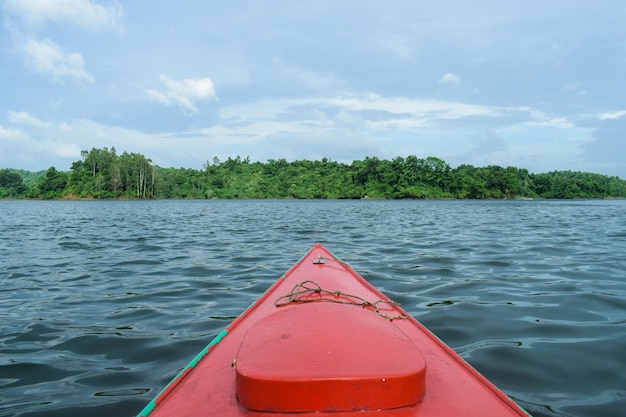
(322, 340)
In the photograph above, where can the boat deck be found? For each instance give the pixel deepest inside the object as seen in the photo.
(209, 384)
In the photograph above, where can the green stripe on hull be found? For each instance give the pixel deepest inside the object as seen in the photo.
(152, 404)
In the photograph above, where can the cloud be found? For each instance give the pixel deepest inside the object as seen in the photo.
(34, 14)
(613, 115)
(358, 125)
(184, 94)
(65, 150)
(48, 58)
(432, 109)
(383, 115)
(59, 144)
(450, 79)
(25, 19)
(9, 133)
(342, 136)
(25, 118)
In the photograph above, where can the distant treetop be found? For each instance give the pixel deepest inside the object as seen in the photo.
(103, 174)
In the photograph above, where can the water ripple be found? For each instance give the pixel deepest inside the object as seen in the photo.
(103, 302)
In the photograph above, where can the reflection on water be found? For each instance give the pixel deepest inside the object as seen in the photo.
(101, 303)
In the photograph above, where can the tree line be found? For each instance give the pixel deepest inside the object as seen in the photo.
(105, 174)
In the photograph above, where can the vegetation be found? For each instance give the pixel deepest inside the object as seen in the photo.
(103, 174)
(11, 184)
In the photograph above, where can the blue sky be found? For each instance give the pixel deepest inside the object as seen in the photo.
(533, 84)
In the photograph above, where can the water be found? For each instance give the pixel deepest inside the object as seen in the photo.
(101, 303)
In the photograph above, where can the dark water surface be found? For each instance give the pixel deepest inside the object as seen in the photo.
(101, 303)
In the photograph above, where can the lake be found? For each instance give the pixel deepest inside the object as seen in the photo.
(103, 302)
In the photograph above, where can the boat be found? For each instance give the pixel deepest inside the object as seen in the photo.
(322, 341)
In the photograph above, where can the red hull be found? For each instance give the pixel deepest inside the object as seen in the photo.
(322, 340)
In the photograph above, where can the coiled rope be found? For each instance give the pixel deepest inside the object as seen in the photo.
(303, 291)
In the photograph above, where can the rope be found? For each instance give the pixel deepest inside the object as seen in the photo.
(308, 288)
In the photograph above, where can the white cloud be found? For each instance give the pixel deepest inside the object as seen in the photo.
(66, 150)
(539, 118)
(9, 133)
(65, 127)
(48, 58)
(54, 150)
(381, 114)
(558, 122)
(25, 19)
(184, 94)
(450, 79)
(23, 117)
(432, 109)
(407, 124)
(158, 96)
(613, 115)
(59, 144)
(33, 14)
(192, 88)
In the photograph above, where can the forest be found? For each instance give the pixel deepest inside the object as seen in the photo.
(105, 174)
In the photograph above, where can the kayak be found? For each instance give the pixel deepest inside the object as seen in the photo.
(323, 341)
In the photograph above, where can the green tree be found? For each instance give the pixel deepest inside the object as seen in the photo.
(11, 184)
(53, 184)
(102, 173)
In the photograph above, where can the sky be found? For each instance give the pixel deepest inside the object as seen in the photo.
(533, 84)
